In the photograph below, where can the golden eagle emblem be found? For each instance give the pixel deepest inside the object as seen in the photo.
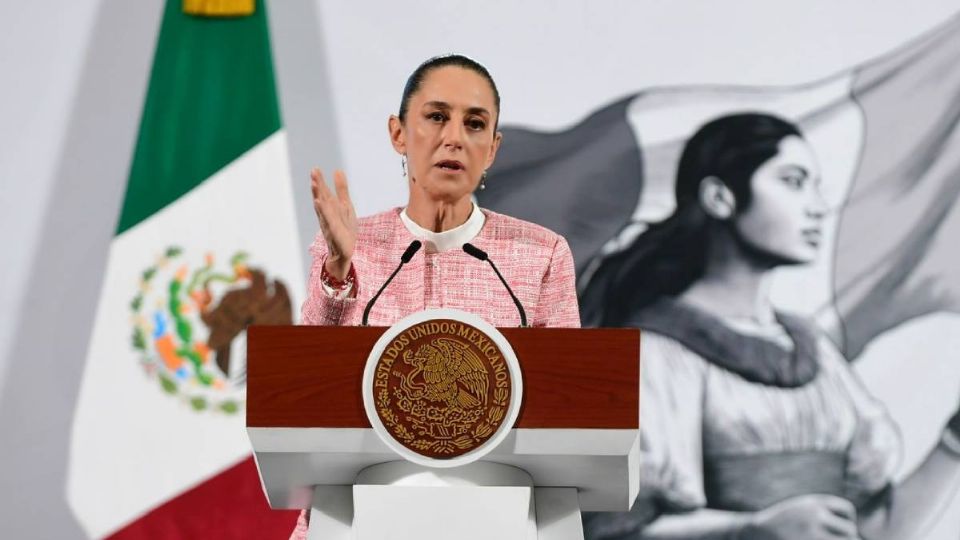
(442, 388)
(451, 373)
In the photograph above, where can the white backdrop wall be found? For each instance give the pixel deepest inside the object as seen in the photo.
(43, 50)
(73, 83)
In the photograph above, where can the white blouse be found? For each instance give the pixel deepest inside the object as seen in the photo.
(692, 411)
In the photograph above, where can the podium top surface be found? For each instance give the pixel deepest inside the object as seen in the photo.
(311, 376)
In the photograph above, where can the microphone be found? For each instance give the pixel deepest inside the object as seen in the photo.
(478, 253)
(404, 259)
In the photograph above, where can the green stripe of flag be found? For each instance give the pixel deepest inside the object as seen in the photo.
(211, 98)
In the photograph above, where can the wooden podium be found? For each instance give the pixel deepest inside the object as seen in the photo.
(574, 445)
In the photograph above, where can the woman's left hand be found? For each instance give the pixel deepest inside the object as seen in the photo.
(338, 221)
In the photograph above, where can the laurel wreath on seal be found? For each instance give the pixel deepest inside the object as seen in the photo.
(422, 417)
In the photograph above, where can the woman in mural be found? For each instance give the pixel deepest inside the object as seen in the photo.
(752, 425)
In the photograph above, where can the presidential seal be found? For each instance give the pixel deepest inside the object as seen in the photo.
(442, 387)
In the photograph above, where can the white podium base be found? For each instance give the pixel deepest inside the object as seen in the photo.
(400, 501)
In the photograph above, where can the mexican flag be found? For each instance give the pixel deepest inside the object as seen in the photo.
(205, 245)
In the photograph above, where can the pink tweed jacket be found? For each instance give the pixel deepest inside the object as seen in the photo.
(535, 261)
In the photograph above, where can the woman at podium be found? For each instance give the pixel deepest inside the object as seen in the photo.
(446, 135)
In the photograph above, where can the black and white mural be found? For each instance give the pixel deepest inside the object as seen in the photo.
(777, 245)
(769, 189)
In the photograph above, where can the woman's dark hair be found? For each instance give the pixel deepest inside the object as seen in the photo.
(671, 255)
(416, 79)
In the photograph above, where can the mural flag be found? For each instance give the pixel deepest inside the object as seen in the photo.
(896, 255)
(885, 134)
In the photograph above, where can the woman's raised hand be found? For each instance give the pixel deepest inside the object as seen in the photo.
(338, 221)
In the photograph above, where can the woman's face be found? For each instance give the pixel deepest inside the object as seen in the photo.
(784, 219)
(448, 134)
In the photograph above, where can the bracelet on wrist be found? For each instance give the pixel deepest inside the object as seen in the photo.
(329, 280)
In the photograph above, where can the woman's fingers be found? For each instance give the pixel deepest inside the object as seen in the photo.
(839, 506)
(317, 186)
(315, 178)
(841, 519)
(323, 200)
(343, 196)
(322, 188)
(335, 213)
(329, 217)
(841, 528)
(343, 191)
